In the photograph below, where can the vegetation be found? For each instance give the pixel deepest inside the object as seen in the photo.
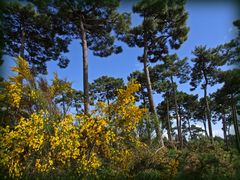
(113, 129)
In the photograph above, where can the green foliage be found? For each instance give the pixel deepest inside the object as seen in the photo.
(152, 163)
(33, 35)
(206, 66)
(151, 174)
(163, 27)
(99, 19)
(202, 160)
(105, 88)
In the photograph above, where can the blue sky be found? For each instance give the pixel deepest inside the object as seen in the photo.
(210, 24)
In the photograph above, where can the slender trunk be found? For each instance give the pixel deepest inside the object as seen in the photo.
(177, 114)
(205, 128)
(168, 122)
(189, 129)
(148, 127)
(235, 123)
(149, 86)
(224, 128)
(208, 113)
(150, 96)
(228, 129)
(149, 136)
(180, 125)
(85, 67)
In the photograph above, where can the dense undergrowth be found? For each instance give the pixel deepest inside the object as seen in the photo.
(39, 141)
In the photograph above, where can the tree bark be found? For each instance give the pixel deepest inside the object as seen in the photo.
(85, 67)
(205, 128)
(189, 129)
(235, 123)
(208, 113)
(150, 96)
(208, 116)
(179, 128)
(168, 122)
(224, 128)
(148, 128)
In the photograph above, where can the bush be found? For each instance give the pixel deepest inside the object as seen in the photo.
(203, 160)
(44, 142)
(161, 163)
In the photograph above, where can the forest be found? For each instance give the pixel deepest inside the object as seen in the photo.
(113, 128)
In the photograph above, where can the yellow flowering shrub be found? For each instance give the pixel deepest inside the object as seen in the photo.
(14, 86)
(43, 143)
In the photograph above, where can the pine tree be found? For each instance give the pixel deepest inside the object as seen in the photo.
(174, 67)
(231, 89)
(206, 68)
(37, 37)
(163, 27)
(105, 88)
(221, 107)
(96, 24)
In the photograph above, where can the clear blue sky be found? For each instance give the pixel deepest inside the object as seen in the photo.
(210, 24)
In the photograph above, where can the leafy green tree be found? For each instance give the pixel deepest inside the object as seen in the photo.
(173, 67)
(163, 27)
(95, 23)
(78, 99)
(221, 108)
(105, 88)
(163, 110)
(37, 37)
(161, 84)
(207, 63)
(231, 90)
(232, 48)
(187, 104)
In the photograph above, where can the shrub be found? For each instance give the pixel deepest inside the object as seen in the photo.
(45, 142)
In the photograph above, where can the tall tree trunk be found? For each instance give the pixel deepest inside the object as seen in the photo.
(235, 123)
(169, 130)
(208, 113)
(149, 133)
(180, 125)
(224, 128)
(150, 96)
(85, 67)
(205, 128)
(179, 128)
(189, 129)
(148, 127)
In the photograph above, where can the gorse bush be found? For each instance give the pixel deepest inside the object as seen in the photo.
(39, 141)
